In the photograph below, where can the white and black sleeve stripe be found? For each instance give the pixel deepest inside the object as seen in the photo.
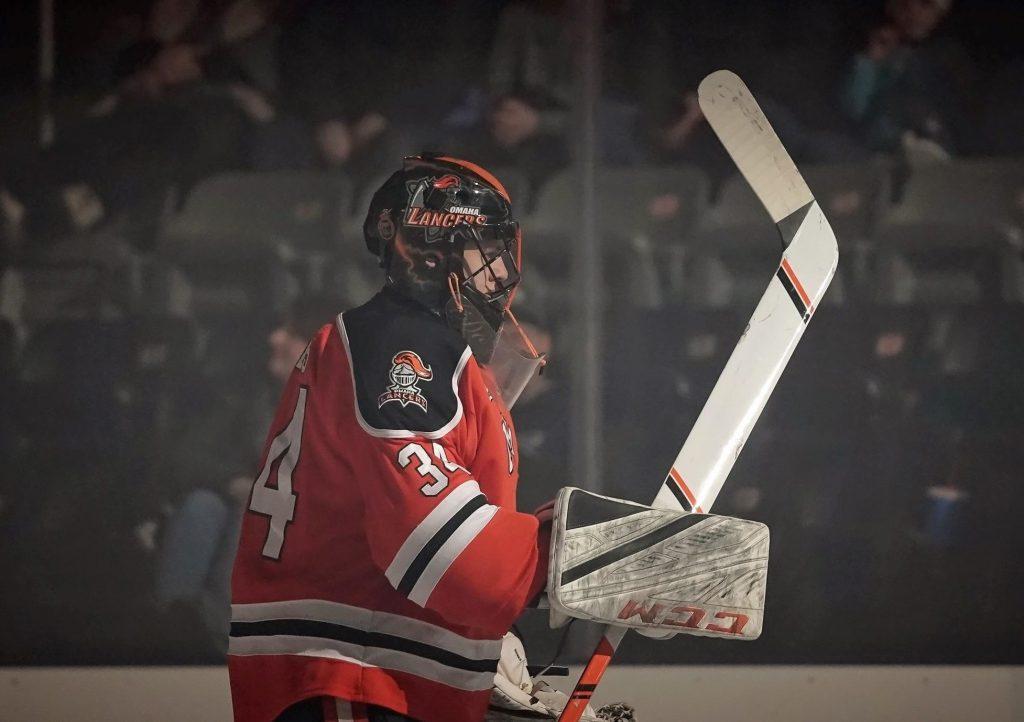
(438, 540)
(368, 638)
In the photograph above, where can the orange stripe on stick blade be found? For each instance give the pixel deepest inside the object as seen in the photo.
(685, 489)
(796, 284)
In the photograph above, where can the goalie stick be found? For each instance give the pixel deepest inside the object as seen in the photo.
(752, 371)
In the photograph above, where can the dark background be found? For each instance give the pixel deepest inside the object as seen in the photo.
(197, 214)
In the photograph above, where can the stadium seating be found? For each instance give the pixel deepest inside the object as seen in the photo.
(641, 215)
(946, 240)
(43, 291)
(659, 202)
(235, 212)
(247, 240)
(958, 197)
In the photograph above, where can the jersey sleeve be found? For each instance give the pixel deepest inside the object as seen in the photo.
(439, 540)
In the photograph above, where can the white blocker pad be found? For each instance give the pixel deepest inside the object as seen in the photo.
(630, 565)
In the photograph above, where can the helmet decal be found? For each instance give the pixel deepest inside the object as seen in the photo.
(448, 181)
(422, 267)
(434, 203)
(385, 226)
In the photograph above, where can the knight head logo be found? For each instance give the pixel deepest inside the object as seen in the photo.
(407, 371)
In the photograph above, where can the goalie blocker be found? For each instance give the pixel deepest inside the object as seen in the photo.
(656, 570)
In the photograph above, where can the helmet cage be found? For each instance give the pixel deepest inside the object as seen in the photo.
(495, 278)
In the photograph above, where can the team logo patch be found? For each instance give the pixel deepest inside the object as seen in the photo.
(407, 371)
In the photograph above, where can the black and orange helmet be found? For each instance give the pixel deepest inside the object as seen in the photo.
(429, 216)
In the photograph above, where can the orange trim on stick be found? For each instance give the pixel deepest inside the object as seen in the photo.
(796, 283)
(591, 676)
(685, 489)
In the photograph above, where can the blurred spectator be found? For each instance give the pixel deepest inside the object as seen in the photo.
(216, 457)
(165, 127)
(169, 21)
(358, 147)
(513, 136)
(376, 79)
(532, 54)
(679, 135)
(361, 145)
(248, 37)
(906, 79)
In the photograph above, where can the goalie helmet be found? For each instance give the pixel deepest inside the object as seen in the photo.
(444, 233)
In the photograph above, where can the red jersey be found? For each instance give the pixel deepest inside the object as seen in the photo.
(382, 558)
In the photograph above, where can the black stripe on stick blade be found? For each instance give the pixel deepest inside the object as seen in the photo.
(678, 493)
(639, 544)
(415, 570)
(793, 294)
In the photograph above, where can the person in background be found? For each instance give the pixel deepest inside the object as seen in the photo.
(165, 126)
(532, 51)
(907, 80)
(198, 546)
(513, 136)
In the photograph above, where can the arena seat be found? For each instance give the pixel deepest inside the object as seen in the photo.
(43, 291)
(946, 240)
(954, 198)
(642, 213)
(245, 240)
(659, 202)
(233, 212)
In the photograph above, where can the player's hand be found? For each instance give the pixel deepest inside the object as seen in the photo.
(253, 102)
(514, 121)
(545, 513)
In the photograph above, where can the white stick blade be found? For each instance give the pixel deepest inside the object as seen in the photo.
(747, 135)
(754, 368)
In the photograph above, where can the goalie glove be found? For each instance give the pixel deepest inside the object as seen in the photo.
(656, 570)
(516, 696)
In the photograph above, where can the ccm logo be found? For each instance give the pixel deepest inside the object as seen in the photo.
(686, 617)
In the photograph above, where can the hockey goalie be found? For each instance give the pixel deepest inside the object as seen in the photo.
(383, 561)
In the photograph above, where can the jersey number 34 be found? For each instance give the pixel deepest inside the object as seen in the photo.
(278, 501)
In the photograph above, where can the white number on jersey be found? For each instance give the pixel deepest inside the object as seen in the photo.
(278, 501)
(427, 467)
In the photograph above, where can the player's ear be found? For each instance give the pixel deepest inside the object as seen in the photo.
(388, 253)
